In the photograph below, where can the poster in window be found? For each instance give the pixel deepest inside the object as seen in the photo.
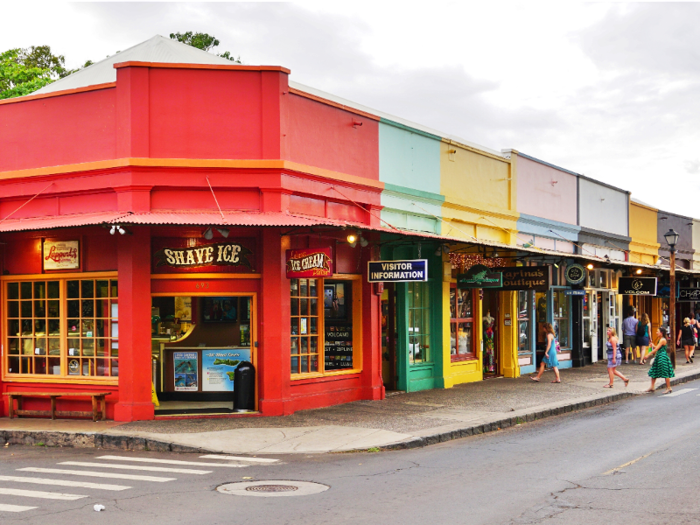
(220, 309)
(185, 367)
(219, 367)
(183, 309)
(60, 255)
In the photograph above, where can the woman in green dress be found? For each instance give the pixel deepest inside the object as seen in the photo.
(662, 366)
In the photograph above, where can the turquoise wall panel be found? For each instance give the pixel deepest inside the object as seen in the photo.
(409, 158)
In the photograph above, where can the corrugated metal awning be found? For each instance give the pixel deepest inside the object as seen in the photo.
(59, 221)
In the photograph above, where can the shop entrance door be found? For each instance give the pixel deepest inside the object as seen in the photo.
(389, 337)
(489, 313)
(198, 342)
(590, 326)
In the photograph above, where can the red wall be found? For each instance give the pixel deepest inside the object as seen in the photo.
(57, 130)
(324, 136)
(205, 114)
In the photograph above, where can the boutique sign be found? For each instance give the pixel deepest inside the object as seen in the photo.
(312, 262)
(169, 255)
(526, 278)
(637, 286)
(480, 276)
(688, 294)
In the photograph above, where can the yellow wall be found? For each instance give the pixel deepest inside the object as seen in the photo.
(479, 190)
(509, 334)
(644, 247)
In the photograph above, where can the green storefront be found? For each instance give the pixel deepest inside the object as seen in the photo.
(412, 335)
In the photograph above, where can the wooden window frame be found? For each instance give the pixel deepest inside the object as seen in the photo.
(356, 329)
(64, 376)
(471, 356)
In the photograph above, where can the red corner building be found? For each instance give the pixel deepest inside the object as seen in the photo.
(166, 215)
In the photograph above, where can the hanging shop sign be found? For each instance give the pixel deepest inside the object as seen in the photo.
(526, 278)
(479, 276)
(575, 292)
(688, 295)
(61, 255)
(636, 286)
(575, 274)
(397, 271)
(175, 255)
(311, 262)
(219, 367)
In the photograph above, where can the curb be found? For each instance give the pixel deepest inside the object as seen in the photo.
(122, 442)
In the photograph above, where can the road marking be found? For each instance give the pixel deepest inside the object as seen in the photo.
(613, 470)
(13, 508)
(95, 474)
(63, 483)
(680, 392)
(40, 494)
(237, 458)
(135, 467)
(170, 461)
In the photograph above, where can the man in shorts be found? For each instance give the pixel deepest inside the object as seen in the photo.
(629, 333)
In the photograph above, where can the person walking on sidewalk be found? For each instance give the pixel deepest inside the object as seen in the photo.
(614, 358)
(696, 331)
(629, 333)
(643, 337)
(686, 336)
(550, 356)
(661, 367)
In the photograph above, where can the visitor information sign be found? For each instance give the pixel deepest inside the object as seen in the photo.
(397, 271)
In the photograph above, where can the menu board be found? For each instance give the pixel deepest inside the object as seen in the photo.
(338, 347)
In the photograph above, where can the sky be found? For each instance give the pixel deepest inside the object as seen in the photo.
(609, 90)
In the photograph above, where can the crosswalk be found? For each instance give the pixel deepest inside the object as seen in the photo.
(15, 490)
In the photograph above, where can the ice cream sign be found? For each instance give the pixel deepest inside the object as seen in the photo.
(312, 262)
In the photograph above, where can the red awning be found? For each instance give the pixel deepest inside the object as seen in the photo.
(230, 218)
(59, 221)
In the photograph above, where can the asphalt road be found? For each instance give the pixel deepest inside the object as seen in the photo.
(633, 462)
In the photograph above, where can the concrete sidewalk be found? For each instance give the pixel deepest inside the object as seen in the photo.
(399, 421)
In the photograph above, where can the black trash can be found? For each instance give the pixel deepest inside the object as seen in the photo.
(244, 387)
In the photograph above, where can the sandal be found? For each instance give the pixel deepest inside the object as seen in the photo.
(608, 386)
(668, 391)
(556, 381)
(535, 380)
(649, 391)
(627, 382)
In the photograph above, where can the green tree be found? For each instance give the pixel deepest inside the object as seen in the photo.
(24, 70)
(203, 41)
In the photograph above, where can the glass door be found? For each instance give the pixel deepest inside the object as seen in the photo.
(489, 311)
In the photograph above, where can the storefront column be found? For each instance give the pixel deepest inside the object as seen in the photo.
(372, 383)
(134, 267)
(274, 369)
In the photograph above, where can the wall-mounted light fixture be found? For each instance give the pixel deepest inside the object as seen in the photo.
(554, 182)
(117, 228)
(639, 271)
(589, 266)
(356, 123)
(208, 234)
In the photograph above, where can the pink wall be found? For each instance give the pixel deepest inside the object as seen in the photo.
(539, 197)
(324, 136)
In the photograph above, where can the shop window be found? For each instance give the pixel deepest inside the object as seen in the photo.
(524, 322)
(305, 296)
(323, 338)
(561, 318)
(62, 327)
(418, 323)
(461, 324)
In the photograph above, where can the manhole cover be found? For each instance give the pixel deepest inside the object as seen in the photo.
(272, 488)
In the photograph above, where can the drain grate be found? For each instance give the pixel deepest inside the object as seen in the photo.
(272, 488)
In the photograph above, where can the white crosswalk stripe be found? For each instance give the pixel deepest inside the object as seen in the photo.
(40, 494)
(63, 483)
(136, 467)
(680, 392)
(171, 461)
(238, 458)
(14, 508)
(95, 474)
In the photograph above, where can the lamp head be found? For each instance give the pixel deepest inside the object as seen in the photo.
(352, 238)
(208, 234)
(671, 237)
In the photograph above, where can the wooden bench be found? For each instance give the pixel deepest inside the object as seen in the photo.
(98, 404)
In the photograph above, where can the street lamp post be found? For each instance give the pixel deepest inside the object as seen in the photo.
(671, 237)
